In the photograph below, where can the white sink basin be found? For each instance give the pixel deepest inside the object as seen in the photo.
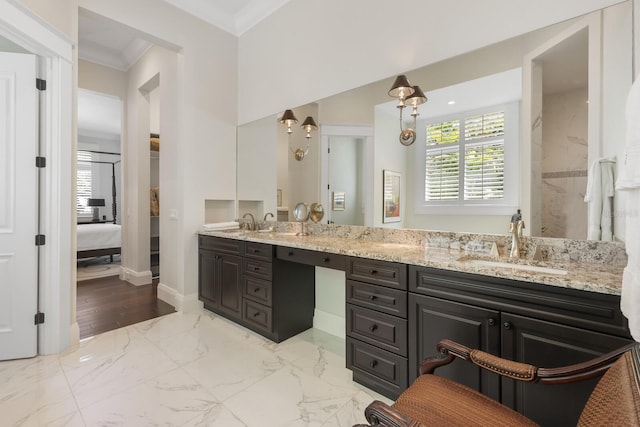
(532, 268)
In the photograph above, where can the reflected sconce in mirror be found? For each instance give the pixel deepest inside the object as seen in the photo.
(407, 96)
(309, 125)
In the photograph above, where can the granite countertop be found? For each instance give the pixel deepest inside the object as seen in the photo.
(600, 277)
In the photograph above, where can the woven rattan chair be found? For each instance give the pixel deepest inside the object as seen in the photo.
(436, 401)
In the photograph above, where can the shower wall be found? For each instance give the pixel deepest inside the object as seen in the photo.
(564, 164)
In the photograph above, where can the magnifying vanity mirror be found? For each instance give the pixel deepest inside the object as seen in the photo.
(301, 214)
(573, 81)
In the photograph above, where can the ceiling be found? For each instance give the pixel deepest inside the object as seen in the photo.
(118, 46)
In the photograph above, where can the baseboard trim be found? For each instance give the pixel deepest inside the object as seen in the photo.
(183, 303)
(329, 323)
(136, 278)
(168, 295)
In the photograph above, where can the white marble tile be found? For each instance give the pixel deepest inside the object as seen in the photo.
(217, 416)
(171, 325)
(109, 344)
(100, 378)
(232, 367)
(195, 370)
(171, 399)
(353, 411)
(71, 420)
(287, 398)
(208, 335)
(34, 392)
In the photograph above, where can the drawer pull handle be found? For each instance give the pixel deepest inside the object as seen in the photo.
(326, 259)
(373, 297)
(290, 253)
(256, 268)
(255, 251)
(373, 327)
(393, 274)
(256, 314)
(255, 290)
(373, 364)
(373, 271)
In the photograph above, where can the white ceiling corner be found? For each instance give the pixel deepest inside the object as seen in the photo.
(232, 16)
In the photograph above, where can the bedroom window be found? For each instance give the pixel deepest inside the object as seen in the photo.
(470, 162)
(83, 184)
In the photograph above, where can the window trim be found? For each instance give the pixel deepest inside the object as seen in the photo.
(505, 206)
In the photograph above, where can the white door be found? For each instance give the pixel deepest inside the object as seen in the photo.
(18, 206)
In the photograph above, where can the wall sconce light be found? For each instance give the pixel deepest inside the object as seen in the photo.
(309, 125)
(407, 95)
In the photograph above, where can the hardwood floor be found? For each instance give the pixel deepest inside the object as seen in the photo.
(109, 303)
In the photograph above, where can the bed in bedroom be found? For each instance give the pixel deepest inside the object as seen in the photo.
(98, 240)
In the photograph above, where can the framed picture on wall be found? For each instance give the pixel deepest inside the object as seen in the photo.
(337, 200)
(390, 196)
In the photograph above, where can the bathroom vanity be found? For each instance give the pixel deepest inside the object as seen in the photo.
(402, 298)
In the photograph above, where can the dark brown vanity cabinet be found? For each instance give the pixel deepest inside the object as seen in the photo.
(220, 271)
(244, 282)
(542, 325)
(377, 324)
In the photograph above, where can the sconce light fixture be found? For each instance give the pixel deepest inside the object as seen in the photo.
(407, 96)
(309, 125)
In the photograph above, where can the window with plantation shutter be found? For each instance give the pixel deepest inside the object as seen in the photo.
(469, 158)
(83, 183)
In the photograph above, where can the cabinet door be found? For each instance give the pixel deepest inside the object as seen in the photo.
(207, 278)
(432, 319)
(230, 285)
(550, 345)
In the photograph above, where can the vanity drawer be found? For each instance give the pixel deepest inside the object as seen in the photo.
(303, 256)
(387, 300)
(383, 273)
(218, 244)
(379, 329)
(257, 315)
(260, 269)
(261, 251)
(257, 289)
(381, 370)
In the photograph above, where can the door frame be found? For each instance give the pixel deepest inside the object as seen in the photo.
(357, 131)
(57, 142)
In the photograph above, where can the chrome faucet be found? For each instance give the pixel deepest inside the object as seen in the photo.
(266, 215)
(515, 228)
(252, 225)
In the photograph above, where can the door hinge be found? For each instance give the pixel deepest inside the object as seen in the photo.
(328, 187)
(39, 319)
(41, 84)
(41, 162)
(329, 150)
(40, 239)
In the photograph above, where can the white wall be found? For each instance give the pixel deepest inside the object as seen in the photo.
(258, 156)
(388, 154)
(616, 83)
(328, 51)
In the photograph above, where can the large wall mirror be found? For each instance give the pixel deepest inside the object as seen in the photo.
(570, 90)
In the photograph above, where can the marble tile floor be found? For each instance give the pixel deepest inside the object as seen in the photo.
(185, 369)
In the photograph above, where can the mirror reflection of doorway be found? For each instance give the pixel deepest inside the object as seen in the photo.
(347, 174)
(346, 180)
